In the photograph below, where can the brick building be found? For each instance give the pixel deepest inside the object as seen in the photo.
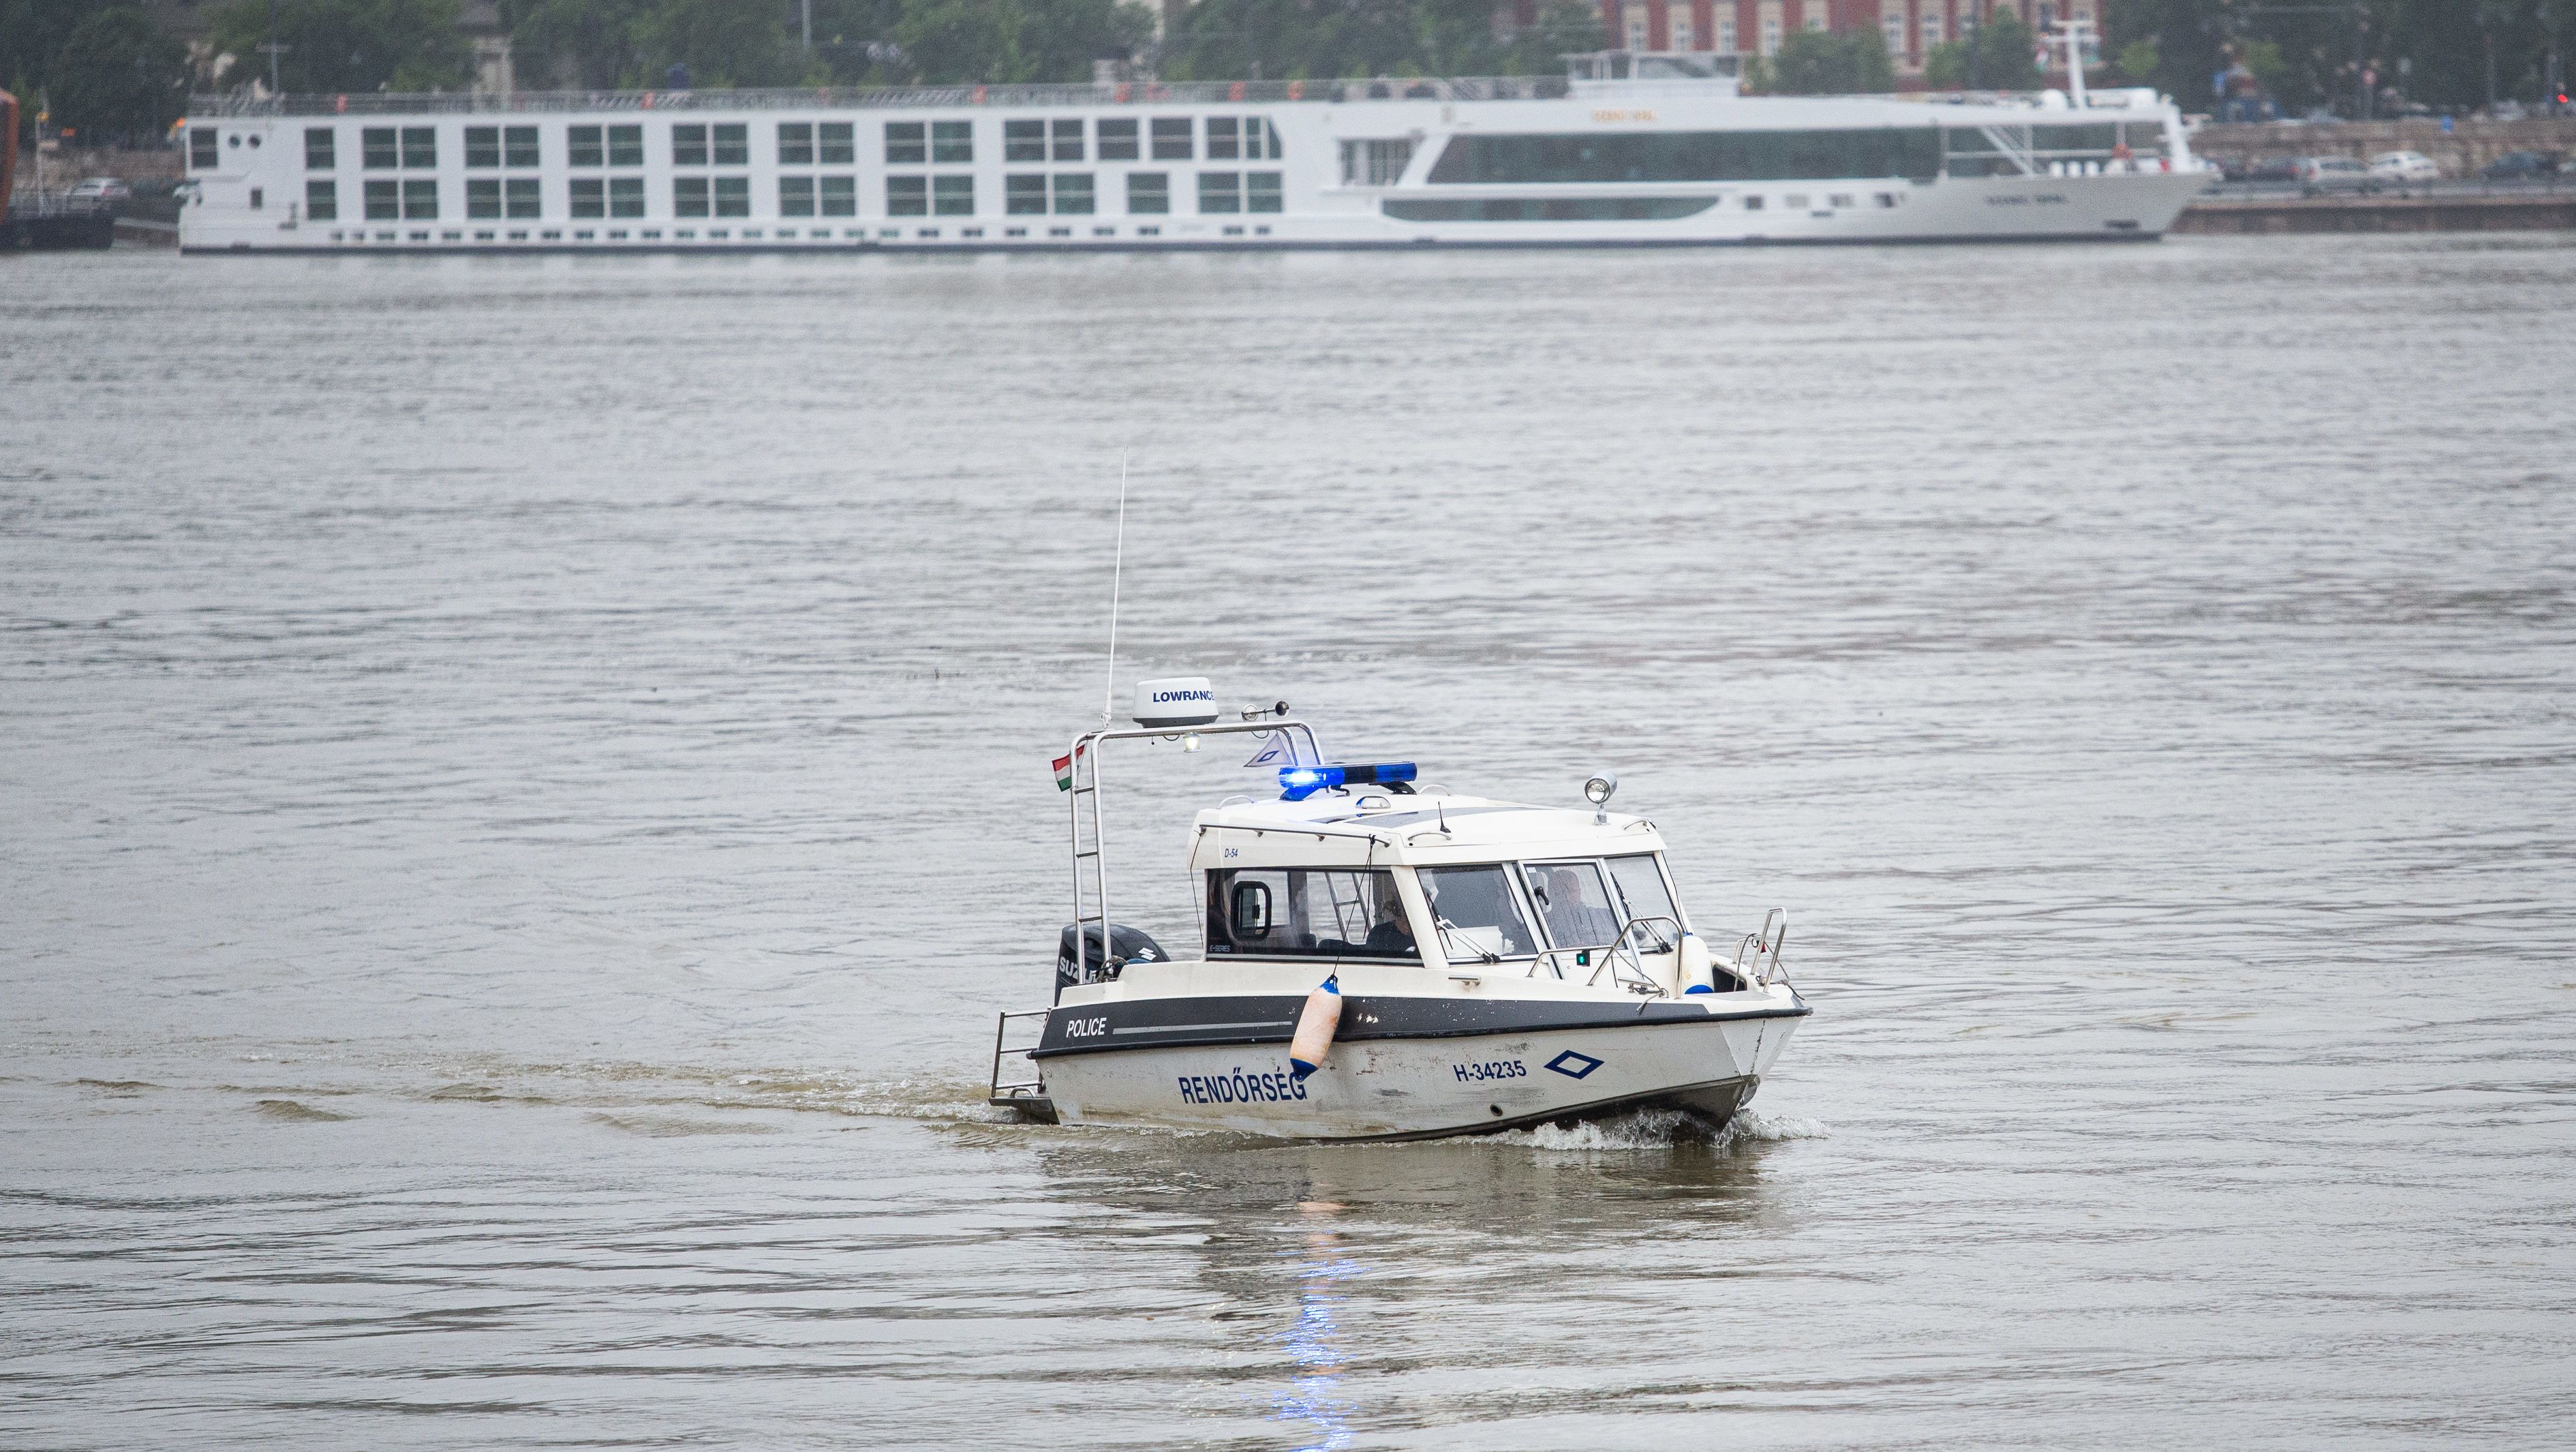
(1756, 27)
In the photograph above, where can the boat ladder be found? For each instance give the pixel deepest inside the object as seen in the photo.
(1017, 1084)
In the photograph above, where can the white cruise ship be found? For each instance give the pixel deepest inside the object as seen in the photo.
(1629, 149)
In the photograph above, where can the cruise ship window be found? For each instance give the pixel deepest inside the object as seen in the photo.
(482, 146)
(1220, 192)
(420, 147)
(905, 145)
(319, 149)
(625, 146)
(1068, 140)
(482, 198)
(733, 196)
(1752, 202)
(322, 200)
(626, 196)
(1023, 141)
(1149, 193)
(205, 147)
(1024, 194)
(838, 143)
(384, 201)
(1261, 191)
(1260, 140)
(589, 197)
(796, 145)
(583, 146)
(907, 196)
(1118, 139)
(688, 145)
(733, 144)
(1222, 142)
(952, 141)
(377, 146)
(840, 196)
(1374, 163)
(689, 196)
(953, 196)
(420, 200)
(1172, 139)
(519, 146)
(526, 198)
(796, 196)
(1072, 190)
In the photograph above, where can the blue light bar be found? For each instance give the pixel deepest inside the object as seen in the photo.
(1296, 783)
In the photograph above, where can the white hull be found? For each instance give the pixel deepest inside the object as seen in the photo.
(1401, 1088)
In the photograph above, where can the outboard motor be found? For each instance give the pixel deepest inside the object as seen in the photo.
(1126, 945)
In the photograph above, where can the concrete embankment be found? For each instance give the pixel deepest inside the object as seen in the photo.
(2459, 151)
(2539, 211)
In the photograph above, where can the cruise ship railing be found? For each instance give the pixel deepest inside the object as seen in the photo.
(836, 98)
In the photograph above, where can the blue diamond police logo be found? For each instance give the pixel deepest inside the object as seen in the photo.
(1573, 1065)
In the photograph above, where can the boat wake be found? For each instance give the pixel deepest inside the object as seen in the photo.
(1657, 1129)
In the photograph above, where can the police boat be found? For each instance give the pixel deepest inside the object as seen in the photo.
(1381, 960)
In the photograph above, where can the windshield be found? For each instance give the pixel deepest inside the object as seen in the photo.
(1480, 919)
(1574, 902)
(1641, 882)
(1296, 913)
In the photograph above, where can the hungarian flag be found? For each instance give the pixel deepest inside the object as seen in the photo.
(1064, 770)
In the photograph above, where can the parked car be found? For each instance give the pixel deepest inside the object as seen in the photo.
(2404, 166)
(2232, 168)
(2274, 169)
(2322, 174)
(100, 189)
(2519, 166)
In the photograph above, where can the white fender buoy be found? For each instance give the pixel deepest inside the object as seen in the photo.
(1692, 966)
(1316, 1023)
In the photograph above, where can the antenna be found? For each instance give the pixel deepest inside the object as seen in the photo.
(1117, 572)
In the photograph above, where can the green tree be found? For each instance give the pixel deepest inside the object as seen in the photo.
(1314, 39)
(2002, 62)
(1827, 63)
(1001, 41)
(347, 45)
(722, 42)
(584, 44)
(119, 75)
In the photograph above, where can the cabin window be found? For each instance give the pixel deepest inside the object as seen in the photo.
(837, 143)
(525, 198)
(204, 147)
(420, 201)
(1640, 880)
(733, 144)
(482, 198)
(1118, 139)
(1220, 191)
(907, 143)
(953, 196)
(796, 196)
(378, 148)
(1172, 138)
(1072, 192)
(796, 145)
(733, 196)
(384, 201)
(688, 146)
(1261, 191)
(1024, 194)
(626, 196)
(689, 196)
(840, 196)
(1301, 913)
(1574, 902)
(482, 146)
(589, 198)
(1024, 141)
(319, 148)
(952, 141)
(1068, 140)
(907, 196)
(322, 200)
(1149, 193)
(1478, 915)
(625, 146)
(1691, 156)
(420, 147)
(519, 145)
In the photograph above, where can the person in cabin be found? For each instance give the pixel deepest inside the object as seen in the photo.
(1390, 936)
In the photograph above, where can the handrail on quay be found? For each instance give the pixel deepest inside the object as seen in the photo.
(378, 103)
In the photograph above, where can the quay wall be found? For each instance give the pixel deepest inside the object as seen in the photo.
(2468, 146)
(2539, 211)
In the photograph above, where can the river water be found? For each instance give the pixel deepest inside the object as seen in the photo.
(523, 785)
